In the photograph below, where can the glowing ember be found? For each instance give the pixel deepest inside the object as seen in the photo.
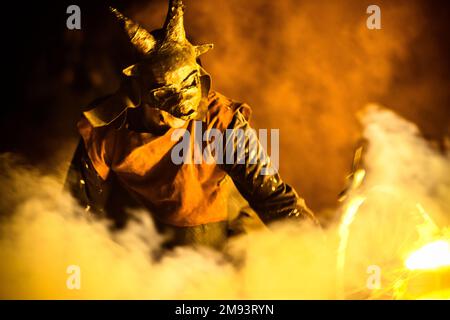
(433, 255)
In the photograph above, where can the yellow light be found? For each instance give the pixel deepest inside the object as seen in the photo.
(431, 256)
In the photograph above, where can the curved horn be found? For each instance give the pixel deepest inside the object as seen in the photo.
(141, 39)
(174, 25)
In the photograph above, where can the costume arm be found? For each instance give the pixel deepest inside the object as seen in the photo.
(84, 183)
(268, 195)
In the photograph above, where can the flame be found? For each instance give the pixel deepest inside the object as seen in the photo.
(431, 256)
(428, 274)
(346, 220)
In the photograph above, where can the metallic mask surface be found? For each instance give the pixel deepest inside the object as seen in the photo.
(167, 77)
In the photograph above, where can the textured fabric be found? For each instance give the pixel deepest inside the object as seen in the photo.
(182, 195)
(256, 178)
(214, 235)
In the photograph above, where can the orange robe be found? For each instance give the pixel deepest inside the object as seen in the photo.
(182, 195)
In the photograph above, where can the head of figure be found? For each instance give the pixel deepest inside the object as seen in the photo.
(171, 84)
(168, 81)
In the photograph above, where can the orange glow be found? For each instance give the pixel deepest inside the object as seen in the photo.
(431, 256)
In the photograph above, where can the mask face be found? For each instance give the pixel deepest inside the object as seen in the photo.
(167, 79)
(170, 81)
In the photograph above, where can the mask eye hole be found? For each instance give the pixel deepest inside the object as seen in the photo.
(161, 94)
(192, 83)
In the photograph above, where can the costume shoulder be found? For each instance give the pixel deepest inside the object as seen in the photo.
(222, 110)
(99, 143)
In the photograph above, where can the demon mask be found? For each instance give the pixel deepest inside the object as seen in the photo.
(168, 77)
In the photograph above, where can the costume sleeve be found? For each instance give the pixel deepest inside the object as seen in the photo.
(254, 176)
(98, 145)
(84, 183)
(87, 178)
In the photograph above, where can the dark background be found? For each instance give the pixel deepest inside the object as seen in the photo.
(305, 67)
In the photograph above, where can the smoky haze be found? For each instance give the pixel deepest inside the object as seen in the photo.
(305, 67)
(46, 233)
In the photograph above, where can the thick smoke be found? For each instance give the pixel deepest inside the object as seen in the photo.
(304, 66)
(43, 232)
(307, 67)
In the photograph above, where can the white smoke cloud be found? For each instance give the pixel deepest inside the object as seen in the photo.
(43, 232)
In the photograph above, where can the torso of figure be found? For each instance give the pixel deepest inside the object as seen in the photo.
(186, 194)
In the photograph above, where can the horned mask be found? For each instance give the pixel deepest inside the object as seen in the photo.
(167, 77)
